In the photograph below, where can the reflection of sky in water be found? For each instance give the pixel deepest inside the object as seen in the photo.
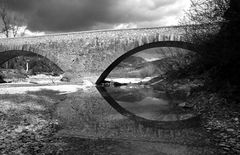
(148, 103)
(145, 101)
(129, 80)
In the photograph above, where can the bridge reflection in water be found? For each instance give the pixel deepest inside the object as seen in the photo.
(86, 115)
(137, 119)
(143, 101)
(149, 107)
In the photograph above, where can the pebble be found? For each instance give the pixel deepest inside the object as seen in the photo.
(183, 104)
(19, 129)
(230, 130)
(175, 84)
(236, 119)
(226, 148)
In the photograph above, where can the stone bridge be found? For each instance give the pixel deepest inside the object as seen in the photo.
(86, 53)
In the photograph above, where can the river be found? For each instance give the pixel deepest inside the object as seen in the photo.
(152, 126)
(130, 120)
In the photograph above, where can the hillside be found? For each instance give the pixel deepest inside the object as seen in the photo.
(137, 67)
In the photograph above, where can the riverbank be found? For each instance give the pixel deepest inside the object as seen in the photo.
(27, 117)
(220, 116)
(28, 125)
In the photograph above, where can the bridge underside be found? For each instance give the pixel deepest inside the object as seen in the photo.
(7, 55)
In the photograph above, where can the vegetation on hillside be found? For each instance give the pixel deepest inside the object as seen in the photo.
(220, 58)
(137, 67)
(10, 22)
(211, 81)
(218, 66)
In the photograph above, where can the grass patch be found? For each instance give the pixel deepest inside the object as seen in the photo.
(27, 125)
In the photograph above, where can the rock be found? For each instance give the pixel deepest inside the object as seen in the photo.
(33, 82)
(19, 129)
(65, 79)
(69, 75)
(183, 104)
(230, 130)
(175, 85)
(1, 80)
(236, 119)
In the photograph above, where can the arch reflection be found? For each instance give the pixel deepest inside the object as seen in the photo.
(165, 116)
(134, 85)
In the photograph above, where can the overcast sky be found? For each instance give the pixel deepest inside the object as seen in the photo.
(77, 15)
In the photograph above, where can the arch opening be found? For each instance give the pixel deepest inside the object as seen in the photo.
(20, 64)
(162, 44)
(27, 57)
(147, 99)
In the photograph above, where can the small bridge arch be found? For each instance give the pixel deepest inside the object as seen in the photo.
(7, 54)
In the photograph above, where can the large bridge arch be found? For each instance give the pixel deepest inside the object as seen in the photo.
(166, 44)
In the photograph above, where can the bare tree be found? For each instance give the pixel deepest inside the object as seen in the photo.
(220, 57)
(11, 22)
(206, 11)
(205, 18)
(5, 21)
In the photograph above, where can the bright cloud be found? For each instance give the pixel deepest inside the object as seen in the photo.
(125, 26)
(77, 15)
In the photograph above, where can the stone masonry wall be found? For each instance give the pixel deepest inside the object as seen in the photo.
(88, 52)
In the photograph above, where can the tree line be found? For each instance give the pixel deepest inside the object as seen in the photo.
(221, 54)
(12, 25)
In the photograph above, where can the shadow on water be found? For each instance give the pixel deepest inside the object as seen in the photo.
(176, 124)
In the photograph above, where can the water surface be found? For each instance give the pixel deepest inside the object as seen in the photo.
(86, 114)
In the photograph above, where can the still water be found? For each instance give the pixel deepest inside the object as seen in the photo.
(139, 121)
(148, 103)
(130, 120)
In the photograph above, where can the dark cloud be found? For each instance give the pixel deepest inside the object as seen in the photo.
(73, 15)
